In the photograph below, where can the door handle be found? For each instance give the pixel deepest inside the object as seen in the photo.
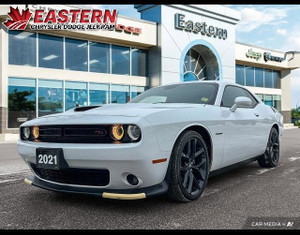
(257, 115)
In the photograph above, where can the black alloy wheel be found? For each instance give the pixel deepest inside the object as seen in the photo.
(189, 167)
(271, 156)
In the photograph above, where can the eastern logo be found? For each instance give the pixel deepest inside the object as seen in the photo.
(18, 21)
(63, 19)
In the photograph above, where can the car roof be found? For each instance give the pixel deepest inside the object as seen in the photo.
(220, 82)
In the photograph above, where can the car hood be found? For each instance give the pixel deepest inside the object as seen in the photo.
(108, 112)
(137, 109)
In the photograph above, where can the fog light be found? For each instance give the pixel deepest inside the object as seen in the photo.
(134, 132)
(36, 132)
(132, 179)
(26, 132)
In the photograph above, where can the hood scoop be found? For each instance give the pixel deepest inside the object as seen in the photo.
(85, 108)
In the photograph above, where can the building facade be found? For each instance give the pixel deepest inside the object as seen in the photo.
(46, 72)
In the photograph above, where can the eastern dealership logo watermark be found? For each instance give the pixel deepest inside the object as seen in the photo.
(64, 19)
(272, 223)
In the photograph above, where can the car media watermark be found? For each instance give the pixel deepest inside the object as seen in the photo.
(272, 223)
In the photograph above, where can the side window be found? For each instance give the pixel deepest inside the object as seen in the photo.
(229, 95)
(231, 92)
(254, 101)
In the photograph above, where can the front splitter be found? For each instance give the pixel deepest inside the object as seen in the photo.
(121, 194)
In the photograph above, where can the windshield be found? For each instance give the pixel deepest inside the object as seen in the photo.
(193, 93)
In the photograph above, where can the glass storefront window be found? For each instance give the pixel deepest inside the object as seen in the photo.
(136, 90)
(249, 76)
(21, 101)
(50, 51)
(261, 96)
(271, 100)
(187, 61)
(75, 94)
(276, 77)
(120, 60)
(99, 58)
(50, 97)
(99, 94)
(268, 99)
(277, 102)
(22, 48)
(120, 94)
(259, 77)
(239, 74)
(138, 62)
(268, 78)
(76, 54)
(200, 63)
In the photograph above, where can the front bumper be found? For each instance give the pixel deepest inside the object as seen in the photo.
(125, 194)
(119, 159)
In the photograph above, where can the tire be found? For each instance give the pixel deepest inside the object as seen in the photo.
(271, 156)
(189, 167)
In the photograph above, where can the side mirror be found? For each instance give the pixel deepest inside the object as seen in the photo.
(241, 101)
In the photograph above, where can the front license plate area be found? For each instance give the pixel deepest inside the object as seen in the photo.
(50, 158)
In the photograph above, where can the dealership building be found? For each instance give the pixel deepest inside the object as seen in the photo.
(51, 71)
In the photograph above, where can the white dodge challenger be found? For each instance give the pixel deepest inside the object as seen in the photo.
(169, 139)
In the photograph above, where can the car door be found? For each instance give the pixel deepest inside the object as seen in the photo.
(242, 134)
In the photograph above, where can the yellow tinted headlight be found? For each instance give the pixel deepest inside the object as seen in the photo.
(117, 132)
(36, 132)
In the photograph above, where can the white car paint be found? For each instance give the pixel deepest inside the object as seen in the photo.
(235, 136)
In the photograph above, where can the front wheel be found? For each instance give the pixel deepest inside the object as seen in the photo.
(271, 156)
(189, 167)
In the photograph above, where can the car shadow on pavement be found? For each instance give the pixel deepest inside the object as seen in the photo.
(215, 184)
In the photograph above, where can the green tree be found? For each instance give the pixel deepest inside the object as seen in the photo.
(18, 101)
(296, 115)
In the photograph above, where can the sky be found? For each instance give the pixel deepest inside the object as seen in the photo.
(274, 27)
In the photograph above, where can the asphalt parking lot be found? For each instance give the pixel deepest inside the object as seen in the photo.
(242, 198)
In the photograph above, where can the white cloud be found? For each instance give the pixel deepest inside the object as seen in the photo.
(252, 18)
(292, 41)
(295, 39)
(281, 31)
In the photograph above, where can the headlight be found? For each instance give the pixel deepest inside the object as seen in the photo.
(36, 132)
(26, 132)
(117, 132)
(134, 132)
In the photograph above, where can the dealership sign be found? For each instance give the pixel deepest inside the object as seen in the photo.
(266, 55)
(128, 29)
(53, 19)
(252, 54)
(197, 27)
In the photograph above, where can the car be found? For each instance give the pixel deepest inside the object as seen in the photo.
(167, 140)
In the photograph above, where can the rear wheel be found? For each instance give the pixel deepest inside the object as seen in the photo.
(189, 167)
(271, 156)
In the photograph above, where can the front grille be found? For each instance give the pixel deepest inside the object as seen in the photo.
(74, 134)
(89, 177)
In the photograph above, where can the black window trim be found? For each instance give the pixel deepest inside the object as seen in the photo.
(253, 107)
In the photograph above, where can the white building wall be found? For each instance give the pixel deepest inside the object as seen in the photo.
(172, 41)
